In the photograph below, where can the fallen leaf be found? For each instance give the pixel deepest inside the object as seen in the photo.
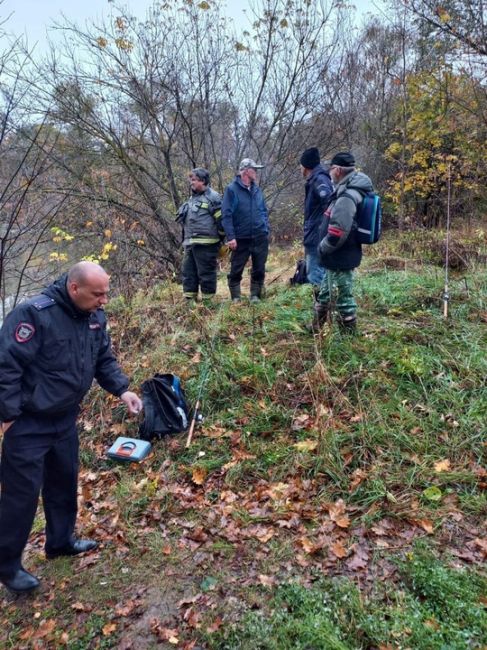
(343, 522)
(359, 559)
(381, 543)
(425, 524)
(337, 514)
(357, 477)
(306, 445)
(300, 422)
(88, 561)
(27, 634)
(109, 628)
(164, 633)
(482, 544)
(264, 537)
(442, 466)
(309, 546)
(432, 493)
(45, 628)
(126, 610)
(80, 607)
(216, 625)
(214, 431)
(339, 550)
(199, 475)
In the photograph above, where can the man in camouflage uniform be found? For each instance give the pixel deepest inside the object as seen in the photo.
(340, 251)
(200, 217)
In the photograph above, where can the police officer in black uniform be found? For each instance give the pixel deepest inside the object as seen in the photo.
(51, 348)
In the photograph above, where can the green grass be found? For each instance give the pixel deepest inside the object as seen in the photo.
(432, 608)
(379, 411)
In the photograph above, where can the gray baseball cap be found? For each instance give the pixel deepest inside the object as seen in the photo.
(248, 163)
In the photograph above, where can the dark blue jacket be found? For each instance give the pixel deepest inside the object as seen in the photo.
(50, 352)
(318, 191)
(244, 212)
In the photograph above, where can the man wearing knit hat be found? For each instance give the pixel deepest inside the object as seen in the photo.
(318, 190)
(340, 251)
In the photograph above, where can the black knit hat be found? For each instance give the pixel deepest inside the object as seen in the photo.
(343, 159)
(310, 158)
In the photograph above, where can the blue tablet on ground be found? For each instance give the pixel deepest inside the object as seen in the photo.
(129, 450)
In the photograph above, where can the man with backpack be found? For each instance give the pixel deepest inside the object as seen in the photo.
(318, 190)
(200, 217)
(340, 249)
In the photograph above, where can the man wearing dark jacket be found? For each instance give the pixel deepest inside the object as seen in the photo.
(318, 190)
(340, 251)
(246, 226)
(200, 217)
(51, 348)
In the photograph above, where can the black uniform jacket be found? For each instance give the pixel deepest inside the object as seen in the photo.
(50, 351)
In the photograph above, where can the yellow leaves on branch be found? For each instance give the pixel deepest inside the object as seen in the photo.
(124, 44)
(443, 15)
(60, 235)
(58, 257)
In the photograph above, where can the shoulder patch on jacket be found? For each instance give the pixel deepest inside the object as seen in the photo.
(24, 332)
(42, 302)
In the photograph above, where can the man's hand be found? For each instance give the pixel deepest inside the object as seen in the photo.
(5, 426)
(133, 402)
(232, 244)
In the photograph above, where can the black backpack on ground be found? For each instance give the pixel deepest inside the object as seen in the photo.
(165, 407)
(300, 276)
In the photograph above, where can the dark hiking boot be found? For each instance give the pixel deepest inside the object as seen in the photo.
(256, 291)
(320, 317)
(235, 294)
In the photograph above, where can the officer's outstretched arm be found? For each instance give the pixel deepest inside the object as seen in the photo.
(133, 402)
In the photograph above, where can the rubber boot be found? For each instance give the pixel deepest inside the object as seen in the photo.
(235, 294)
(255, 292)
(208, 299)
(347, 323)
(320, 316)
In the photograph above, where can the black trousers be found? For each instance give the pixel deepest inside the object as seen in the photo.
(257, 249)
(38, 453)
(199, 268)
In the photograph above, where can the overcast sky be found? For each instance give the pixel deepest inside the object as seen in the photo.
(33, 17)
